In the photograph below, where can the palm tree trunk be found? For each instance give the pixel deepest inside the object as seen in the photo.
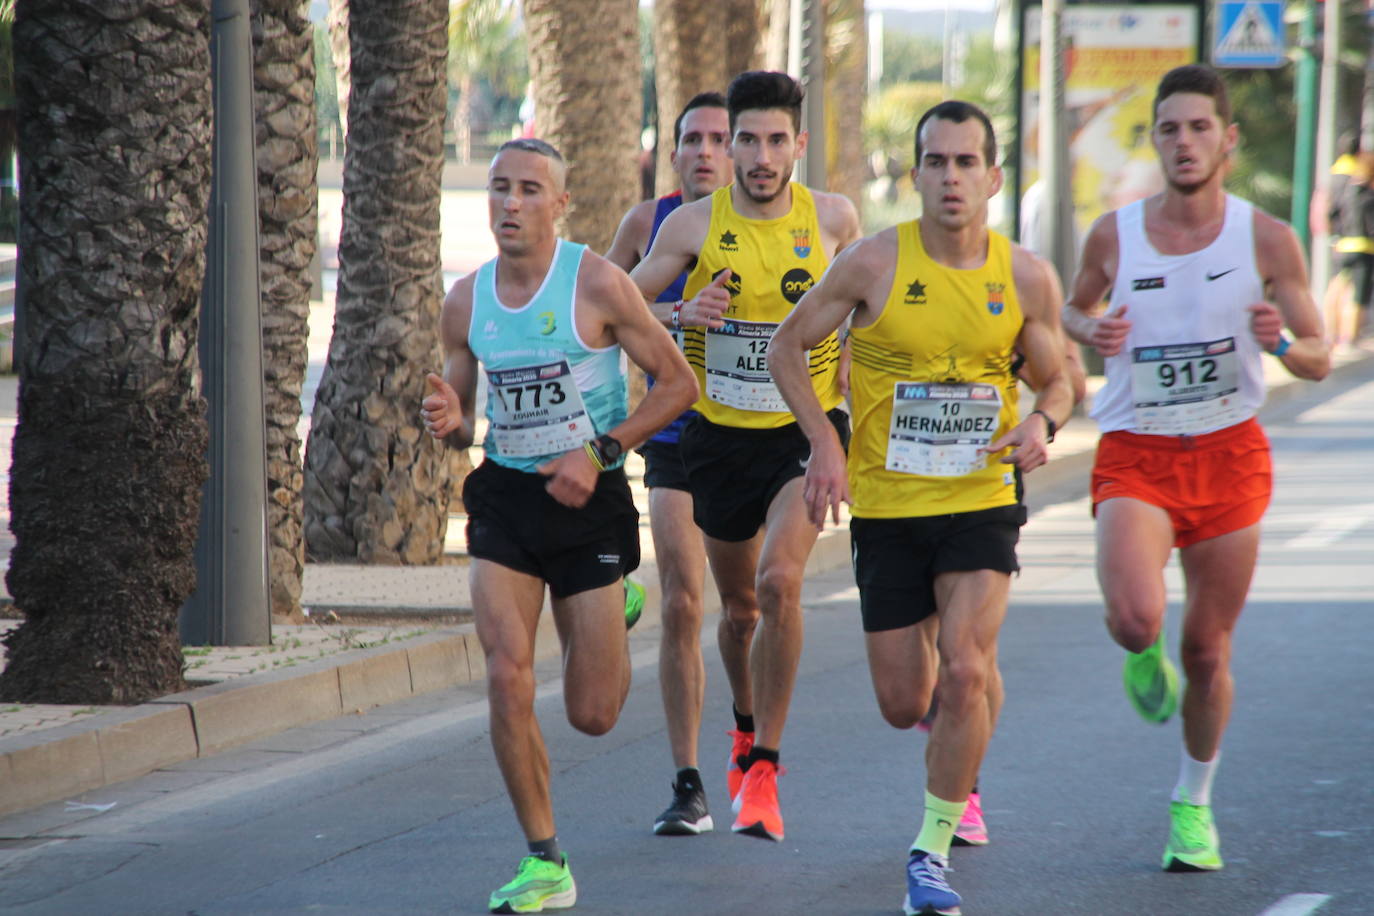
(745, 27)
(375, 486)
(109, 455)
(288, 210)
(846, 88)
(586, 72)
(681, 29)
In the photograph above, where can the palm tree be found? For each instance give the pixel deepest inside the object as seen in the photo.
(484, 42)
(846, 89)
(681, 29)
(109, 455)
(375, 486)
(585, 72)
(288, 199)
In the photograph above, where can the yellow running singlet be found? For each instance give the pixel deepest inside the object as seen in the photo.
(931, 383)
(773, 263)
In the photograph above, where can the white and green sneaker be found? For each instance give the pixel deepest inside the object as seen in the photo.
(1193, 843)
(538, 885)
(1151, 682)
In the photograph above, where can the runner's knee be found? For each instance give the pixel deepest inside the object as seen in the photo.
(510, 685)
(901, 706)
(593, 715)
(1204, 662)
(779, 588)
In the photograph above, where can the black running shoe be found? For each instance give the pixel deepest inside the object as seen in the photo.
(687, 815)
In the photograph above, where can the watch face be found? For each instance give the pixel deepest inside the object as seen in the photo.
(610, 448)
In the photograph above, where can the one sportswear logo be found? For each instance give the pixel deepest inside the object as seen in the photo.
(944, 823)
(490, 329)
(996, 297)
(915, 293)
(612, 558)
(547, 323)
(1212, 276)
(801, 242)
(795, 283)
(1148, 283)
(728, 241)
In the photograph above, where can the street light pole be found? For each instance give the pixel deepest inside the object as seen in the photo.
(231, 605)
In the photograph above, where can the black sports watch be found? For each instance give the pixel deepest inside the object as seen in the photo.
(608, 449)
(1049, 425)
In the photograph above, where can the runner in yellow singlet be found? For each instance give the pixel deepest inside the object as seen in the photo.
(753, 250)
(938, 307)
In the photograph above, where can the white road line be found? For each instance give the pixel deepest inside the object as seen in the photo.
(1332, 529)
(1297, 905)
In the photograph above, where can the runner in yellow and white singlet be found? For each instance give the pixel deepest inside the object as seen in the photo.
(753, 250)
(938, 308)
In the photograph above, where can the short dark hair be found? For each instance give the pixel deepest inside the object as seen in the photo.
(1198, 78)
(959, 112)
(533, 145)
(700, 100)
(755, 90)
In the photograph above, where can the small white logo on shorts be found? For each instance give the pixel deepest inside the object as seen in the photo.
(613, 558)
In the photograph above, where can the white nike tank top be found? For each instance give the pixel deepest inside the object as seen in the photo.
(1190, 364)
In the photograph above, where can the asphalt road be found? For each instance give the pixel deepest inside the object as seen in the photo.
(401, 810)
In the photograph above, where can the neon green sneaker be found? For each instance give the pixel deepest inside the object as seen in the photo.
(1193, 843)
(538, 885)
(634, 602)
(1151, 682)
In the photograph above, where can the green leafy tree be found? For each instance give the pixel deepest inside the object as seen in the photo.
(486, 52)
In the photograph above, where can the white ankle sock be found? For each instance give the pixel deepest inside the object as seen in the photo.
(1195, 779)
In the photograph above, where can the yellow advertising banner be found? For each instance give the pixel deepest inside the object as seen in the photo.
(1114, 57)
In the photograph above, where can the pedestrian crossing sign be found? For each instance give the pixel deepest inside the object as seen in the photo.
(1249, 33)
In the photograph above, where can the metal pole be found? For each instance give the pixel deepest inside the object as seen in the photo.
(806, 62)
(1306, 92)
(1328, 105)
(231, 605)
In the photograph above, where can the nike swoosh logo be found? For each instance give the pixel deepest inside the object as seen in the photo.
(1212, 276)
(1154, 697)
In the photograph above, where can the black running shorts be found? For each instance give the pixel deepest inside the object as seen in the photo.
(663, 467)
(513, 521)
(896, 560)
(733, 473)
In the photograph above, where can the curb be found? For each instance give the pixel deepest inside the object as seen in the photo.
(121, 744)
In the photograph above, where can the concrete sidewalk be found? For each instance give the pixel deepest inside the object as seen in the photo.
(418, 639)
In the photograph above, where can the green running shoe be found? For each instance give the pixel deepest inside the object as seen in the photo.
(634, 602)
(1151, 682)
(538, 885)
(1193, 843)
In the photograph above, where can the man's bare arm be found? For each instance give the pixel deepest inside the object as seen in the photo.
(1081, 314)
(632, 238)
(1041, 342)
(839, 220)
(821, 310)
(675, 249)
(448, 410)
(1285, 275)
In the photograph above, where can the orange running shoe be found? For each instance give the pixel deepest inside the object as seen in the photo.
(734, 776)
(756, 809)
